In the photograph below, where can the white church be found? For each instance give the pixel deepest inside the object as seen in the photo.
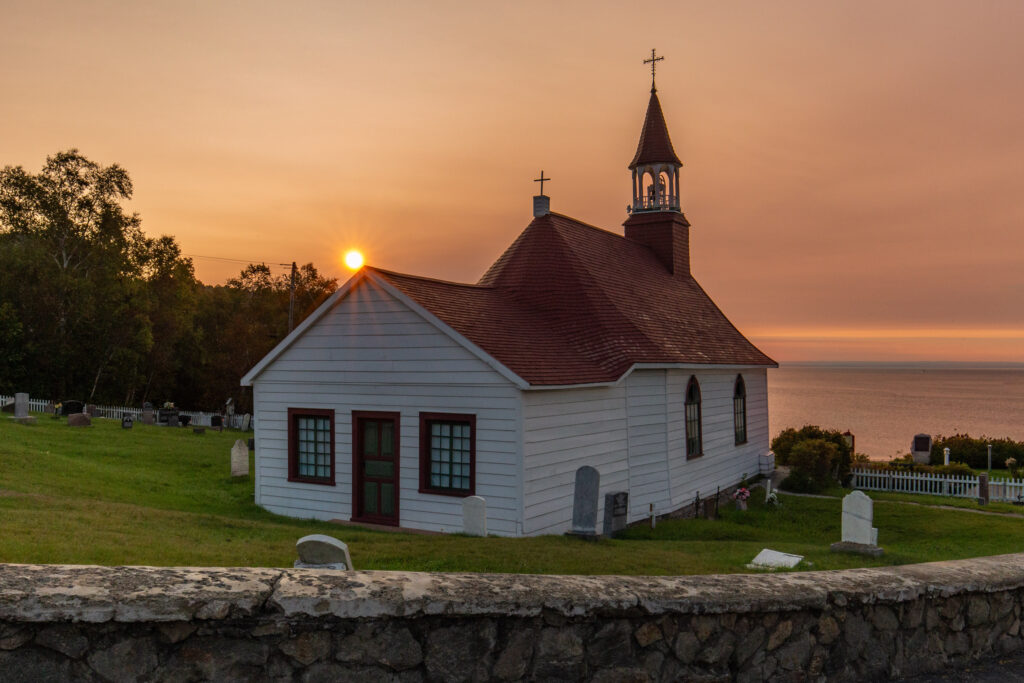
(401, 395)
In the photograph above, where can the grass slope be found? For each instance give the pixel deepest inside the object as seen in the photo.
(159, 496)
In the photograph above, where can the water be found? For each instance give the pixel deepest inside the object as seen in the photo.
(885, 405)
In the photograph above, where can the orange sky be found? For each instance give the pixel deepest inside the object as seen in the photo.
(854, 171)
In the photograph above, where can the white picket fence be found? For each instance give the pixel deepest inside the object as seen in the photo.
(955, 485)
(199, 419)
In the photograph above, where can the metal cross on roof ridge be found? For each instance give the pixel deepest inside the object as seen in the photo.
(541, 181)
(653, 61)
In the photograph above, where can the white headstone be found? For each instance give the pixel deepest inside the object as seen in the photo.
(858, 515)
(246, 422)
(767, 489)
(318, 551)
(474, 516)
(584, 502)
(239, 459)
(773, 559)
(21, 405)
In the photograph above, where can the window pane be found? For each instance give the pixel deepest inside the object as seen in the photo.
(387, 438)
(370, 497)
(370, 438)
(387, 499)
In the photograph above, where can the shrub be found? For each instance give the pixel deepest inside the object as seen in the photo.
(784, 443)
(812, 463)
(974, 452)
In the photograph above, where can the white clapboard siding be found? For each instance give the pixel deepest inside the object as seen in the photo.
(646, 394)
(634, 435)
(373, 353)
(562, 431)
(723, 463)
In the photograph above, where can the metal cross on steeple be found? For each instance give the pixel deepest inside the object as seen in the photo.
(541, 181)
(653, 61)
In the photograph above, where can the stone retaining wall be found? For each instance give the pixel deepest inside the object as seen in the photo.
(181, 624)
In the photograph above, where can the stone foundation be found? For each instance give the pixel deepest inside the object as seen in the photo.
(178, 624)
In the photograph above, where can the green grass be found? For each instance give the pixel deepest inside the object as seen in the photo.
(160, 496)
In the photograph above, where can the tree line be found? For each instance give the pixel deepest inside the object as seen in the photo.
(93, 309)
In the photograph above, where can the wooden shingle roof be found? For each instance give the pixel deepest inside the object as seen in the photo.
(569, 303)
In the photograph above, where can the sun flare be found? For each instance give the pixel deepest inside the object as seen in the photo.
(354, 259)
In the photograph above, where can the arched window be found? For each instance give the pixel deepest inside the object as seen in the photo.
(739, 410)
(694, 443)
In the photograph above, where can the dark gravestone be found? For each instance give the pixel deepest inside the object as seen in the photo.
(217, 421)
(584, 502)
(147, 406)
(199, 430)
(616, 507)
(252, 444)
(79, 420)
(71, 408)
(184, 420)
(91, 410)
(126, 421)
(983, 488)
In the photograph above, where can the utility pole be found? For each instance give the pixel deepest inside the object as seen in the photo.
(291, 302)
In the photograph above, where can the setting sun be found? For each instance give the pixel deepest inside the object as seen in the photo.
(354, 259)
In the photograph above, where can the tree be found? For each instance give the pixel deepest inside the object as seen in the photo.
(69, 253)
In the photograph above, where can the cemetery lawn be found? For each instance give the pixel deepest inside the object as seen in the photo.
(163, 496)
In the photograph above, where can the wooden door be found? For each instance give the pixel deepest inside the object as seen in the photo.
(376, 464)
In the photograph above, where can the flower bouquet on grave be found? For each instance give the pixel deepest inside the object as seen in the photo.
(740, 495)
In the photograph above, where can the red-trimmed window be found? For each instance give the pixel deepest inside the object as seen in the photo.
(311, 445)
(739, 410)
(448, 454)
(694, 440)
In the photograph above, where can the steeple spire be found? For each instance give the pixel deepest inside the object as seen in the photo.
(655, 165)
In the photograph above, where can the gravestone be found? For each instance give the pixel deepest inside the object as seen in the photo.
(921, 448)
(21, 405)
(126, 421)
(184, 420)
(91, 410)
(616, 507)
(318, 551)
(858, 534)
(252, 443)
(239, 459)
(773, 559)
(584, 502)
(199, 430)
(148, 416)
(474, 516)
(983, 495)
(21, 415)
(79, 420)
(246, 422)
(216, 421)
(71, 408)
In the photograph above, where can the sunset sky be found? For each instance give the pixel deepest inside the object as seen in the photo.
(854, 171)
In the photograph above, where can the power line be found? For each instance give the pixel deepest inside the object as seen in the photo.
(236, 260)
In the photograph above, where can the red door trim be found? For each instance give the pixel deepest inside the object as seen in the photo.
(357, 484)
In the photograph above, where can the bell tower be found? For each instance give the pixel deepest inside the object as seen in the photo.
(656, 218)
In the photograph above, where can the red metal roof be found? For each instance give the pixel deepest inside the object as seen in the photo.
(655, 146)
(568, 303)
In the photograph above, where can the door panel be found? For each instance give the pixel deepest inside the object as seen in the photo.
(375, 463)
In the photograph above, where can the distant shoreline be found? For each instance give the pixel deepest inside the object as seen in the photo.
(906, 365)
